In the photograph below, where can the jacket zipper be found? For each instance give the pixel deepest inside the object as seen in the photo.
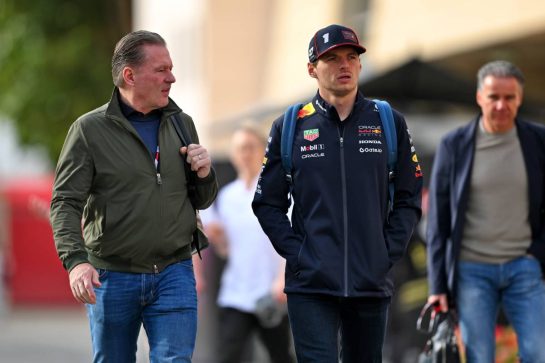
(159, 182)
(160, 185)
(158, 178)
(345, 209)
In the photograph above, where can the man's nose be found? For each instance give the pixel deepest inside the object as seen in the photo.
(500, 104)
(171, 78)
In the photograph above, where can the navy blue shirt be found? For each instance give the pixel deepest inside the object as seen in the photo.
(146, 125)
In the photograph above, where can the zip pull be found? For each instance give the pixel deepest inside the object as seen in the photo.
(159, 180)
(156, 160)
(155, 269)
(341, 139)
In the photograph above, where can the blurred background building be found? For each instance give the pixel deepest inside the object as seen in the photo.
(235, 61)
(247, 59)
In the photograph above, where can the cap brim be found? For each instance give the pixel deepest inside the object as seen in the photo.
(358, 47)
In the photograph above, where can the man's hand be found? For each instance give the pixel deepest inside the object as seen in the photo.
(442, 299)
(198, 157)
(83, 279)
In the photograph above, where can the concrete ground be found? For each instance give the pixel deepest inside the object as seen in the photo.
(53, 335)
(57, 335)
(44, 335)
(61, 334)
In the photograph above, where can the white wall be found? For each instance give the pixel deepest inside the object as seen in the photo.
(432, 29)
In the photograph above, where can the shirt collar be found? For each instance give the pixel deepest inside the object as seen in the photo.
(131, 113)
(323, 107)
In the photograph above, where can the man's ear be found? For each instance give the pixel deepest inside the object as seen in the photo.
(311, 70)
(478, 97)
(128, 75)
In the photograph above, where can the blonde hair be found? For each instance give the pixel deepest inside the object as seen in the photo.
(250, 128)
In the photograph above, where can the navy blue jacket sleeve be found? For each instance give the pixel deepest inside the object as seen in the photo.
(407, 194)
(439, 219)
(532, 139)
(271, 202)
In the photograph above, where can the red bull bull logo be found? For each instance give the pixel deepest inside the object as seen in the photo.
(307, 110)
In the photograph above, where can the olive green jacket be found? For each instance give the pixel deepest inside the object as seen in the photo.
(106, 184)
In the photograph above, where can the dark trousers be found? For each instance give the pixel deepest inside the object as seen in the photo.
(236, 328)
(321, 324)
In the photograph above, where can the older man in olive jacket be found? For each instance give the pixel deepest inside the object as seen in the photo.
(121, 177)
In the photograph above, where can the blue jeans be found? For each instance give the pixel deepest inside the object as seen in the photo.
(517, 287)
(318, 321)
(165, 303)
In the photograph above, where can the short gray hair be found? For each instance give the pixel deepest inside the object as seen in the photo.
(500, 69)
(128, 52)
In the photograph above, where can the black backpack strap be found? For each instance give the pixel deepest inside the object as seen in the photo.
(185, 138)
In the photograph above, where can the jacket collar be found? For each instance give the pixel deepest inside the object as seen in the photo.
(113, 109)
(328, 110)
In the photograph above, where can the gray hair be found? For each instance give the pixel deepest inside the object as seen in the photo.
(500, 69)
(128, 52)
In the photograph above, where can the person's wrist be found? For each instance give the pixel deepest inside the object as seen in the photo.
(207, 178)
(75, 260)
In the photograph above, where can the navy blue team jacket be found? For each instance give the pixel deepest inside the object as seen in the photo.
(341, 241)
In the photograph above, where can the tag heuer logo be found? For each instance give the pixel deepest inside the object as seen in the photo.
(311, 134)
